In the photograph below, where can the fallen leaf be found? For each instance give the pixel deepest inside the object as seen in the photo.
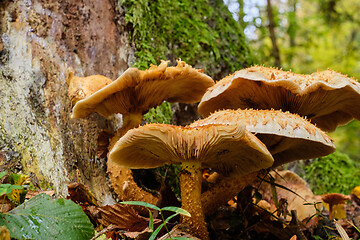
(31, 194)
(79, 193)
(123, 217)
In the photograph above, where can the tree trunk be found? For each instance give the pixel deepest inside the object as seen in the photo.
(292, 29)
(40, 39)
(276, 53)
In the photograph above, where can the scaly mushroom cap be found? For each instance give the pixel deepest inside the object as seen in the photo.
(287, 136)
(82, 87)
(327, 98)
(136, 91)
(219, 146)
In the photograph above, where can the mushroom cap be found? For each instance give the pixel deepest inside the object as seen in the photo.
(327, 98)
(296, 201)
(82, 87)
(334, 198)
(226, 148)
(287, 136)
(136, 91)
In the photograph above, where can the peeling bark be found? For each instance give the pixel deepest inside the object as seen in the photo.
(40, 39)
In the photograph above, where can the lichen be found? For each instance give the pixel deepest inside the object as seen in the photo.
(24, 123)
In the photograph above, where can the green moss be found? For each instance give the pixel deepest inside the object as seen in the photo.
(160, 114)
(200, 32)
(335, 173)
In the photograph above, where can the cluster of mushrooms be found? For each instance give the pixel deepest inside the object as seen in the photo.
(256, 118)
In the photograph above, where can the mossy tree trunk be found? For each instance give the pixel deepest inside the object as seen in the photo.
(39, 40)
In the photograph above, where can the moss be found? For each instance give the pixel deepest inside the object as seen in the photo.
(200, 32)
(160, 114)
(323, 174)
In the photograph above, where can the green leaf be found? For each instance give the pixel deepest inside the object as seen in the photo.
(5, 185)
(16, 187)
(5, 191)
(156, 232)
(144, 204)
(3, 174)
(170, 217)
(151, 221)
(177, 210)
(44, 218)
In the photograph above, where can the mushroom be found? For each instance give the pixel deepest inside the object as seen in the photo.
(296, 201)
(224, 147)
(136, 91)
(334, 199)
(82, 87)
(132, 95)
(327, 98)
(287, 136)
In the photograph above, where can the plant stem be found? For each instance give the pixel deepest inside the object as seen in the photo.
(167, 229)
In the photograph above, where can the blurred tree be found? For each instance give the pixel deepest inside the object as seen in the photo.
(326, 40)
(275, 49)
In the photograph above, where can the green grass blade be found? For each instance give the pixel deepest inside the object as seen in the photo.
(154, 234)
(139, 203)
(151, 221)
(177, 210)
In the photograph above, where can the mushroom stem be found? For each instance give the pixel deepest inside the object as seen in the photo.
(330, 212)
(121, 178)
(224, 190)
(130, 121)
(190, 186)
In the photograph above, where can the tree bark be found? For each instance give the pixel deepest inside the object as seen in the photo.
(39, 40)
(276, 52)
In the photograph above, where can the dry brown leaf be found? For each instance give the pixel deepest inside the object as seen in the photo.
(31, 194)
(121, 216)
(180, 230)
(5, 207)
(79, 193)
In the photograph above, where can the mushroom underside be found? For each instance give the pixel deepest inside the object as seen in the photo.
(327, 108)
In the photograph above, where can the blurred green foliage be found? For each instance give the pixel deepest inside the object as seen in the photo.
(347, 139)
(311, 35)
(335, 173)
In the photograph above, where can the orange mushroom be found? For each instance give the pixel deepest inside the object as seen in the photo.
(132, 95)
(287, 136)
(223, 147)
(327, 98)
(82, 87)
(296, 201)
